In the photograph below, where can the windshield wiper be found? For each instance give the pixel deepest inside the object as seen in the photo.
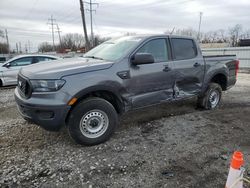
(93, 57)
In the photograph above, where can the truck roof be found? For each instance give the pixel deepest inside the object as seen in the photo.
(162, 35)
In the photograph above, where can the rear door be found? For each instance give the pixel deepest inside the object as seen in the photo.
(188, 65)
(10, 73)
(152, 83)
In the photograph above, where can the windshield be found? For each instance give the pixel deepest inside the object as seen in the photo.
(114, 48)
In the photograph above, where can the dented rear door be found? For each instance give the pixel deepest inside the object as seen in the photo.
(188, 66)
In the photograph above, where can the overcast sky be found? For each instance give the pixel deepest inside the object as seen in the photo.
(26, 20)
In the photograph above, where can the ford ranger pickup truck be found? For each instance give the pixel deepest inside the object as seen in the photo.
(88, 94)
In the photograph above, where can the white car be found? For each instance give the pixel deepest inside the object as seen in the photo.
(10, 69)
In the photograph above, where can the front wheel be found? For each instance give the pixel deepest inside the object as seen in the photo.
(212, 97)
(92, 121)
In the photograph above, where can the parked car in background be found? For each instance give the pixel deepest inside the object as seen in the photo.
(10, 69)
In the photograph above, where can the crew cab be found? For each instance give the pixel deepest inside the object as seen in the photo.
(88, 94)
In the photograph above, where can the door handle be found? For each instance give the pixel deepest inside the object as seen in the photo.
(167, 68)
(197, 64)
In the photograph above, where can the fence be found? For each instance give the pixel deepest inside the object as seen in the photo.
(242, 53)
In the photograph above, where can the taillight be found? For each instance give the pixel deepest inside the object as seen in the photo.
(237, 67)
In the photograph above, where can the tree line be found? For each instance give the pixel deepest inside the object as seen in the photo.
(4, 48)
(231, 36)
(70, 42)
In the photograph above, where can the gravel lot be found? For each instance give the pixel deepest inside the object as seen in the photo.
(172, 145)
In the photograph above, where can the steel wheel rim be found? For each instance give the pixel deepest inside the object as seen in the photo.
(94, 123)
(214, 98)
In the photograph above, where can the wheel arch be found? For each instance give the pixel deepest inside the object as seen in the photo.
(103, 92)
(221, 79)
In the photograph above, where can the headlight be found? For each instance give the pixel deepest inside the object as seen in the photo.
(47, 85)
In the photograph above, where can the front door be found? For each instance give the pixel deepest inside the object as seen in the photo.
(10, 73)
(152, 83)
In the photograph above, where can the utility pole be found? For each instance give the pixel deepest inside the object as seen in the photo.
(59, 35)
(52, 23)
(29, 45)
(26, 49)
(17, 48)
(20, 47)
(87, 45)
(199, 30)
(172, 31)
(7, 39)
(91, 19)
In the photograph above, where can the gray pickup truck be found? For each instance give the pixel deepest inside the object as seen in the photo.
(88, 94)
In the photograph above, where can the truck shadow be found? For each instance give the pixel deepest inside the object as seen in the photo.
(157, 112)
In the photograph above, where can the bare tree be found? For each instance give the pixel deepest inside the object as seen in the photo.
(3, 45)
(45, 47)
(222, 36)
(4, 49)
(73, 41)
(98, 40)
(235, 33)
(185, 32)
(130, 34)
(1, 34)
(246, 34)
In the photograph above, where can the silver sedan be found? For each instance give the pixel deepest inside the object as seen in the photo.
(10, 69)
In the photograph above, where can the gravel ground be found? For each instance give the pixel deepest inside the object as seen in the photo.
(171, 145)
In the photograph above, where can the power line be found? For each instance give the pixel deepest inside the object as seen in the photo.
(31, 10)
(16, 29)
(58, 31)
(91, 10)
(160, 3)
(52, 23)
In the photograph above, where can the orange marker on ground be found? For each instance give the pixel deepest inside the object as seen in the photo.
(235, 171)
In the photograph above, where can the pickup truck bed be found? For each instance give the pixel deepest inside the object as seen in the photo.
(231, 67)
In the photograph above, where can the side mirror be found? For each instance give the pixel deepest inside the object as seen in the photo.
(142, 58)
(7, 65)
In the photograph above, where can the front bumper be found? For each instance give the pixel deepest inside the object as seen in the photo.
(47, 115)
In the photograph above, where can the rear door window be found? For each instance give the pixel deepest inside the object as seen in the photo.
(157, 48)
(42, 58)
(184, 48)
(45, 58)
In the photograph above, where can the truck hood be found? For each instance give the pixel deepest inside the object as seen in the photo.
(60, 68)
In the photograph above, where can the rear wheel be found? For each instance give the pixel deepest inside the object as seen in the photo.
(212, 97)
(92, 121)
(1, 83)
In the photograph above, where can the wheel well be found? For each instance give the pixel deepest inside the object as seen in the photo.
(107, 95)
(220, 79)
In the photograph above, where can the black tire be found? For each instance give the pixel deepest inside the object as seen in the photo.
(1, 83)
(206, 101)
(99, 113)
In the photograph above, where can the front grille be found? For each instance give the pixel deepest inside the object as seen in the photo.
(23, 86)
